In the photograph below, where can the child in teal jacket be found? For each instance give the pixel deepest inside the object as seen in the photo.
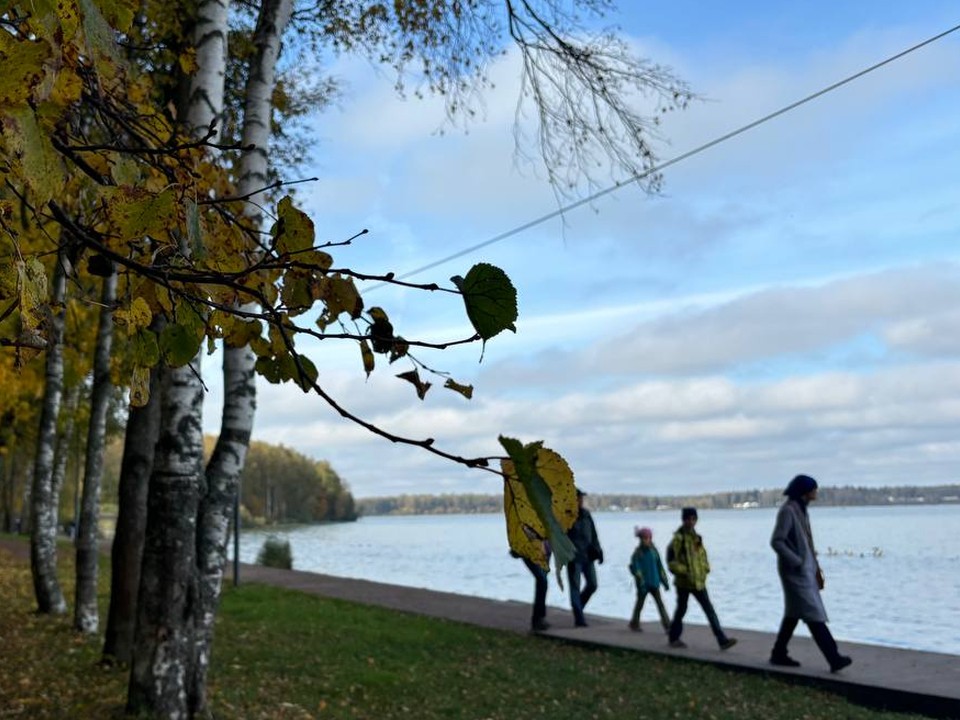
(648, 573)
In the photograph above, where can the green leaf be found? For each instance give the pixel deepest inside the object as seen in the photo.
(381, 330)
(490, 298)
(8, 281)
(296, 293)
(308, 377)
(144, 348)
(101, 43)
(539, 494)
(194, 235)
(269, 369)
(179, 344)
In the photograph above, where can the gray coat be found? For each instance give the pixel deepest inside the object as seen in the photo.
(797, 563)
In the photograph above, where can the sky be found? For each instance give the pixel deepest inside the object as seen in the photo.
(788, 303)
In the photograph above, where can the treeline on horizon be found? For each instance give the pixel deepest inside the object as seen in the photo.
(472, 503)
(278, 485)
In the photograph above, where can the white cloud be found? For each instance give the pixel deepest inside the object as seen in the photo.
(790, 302)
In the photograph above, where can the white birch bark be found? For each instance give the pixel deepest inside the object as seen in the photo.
(86, 618)
(163, 638)
(164, 660)
(239, 408)
(65, 438)
(43, 497)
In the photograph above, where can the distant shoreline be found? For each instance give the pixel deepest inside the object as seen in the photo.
(846, 496)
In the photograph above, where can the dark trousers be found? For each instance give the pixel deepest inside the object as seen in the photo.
(642, 593)
(579, 597)
(821, 636)
(539, 591)
(683, 597)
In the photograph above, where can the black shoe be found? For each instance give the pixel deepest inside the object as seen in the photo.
(840, 663)
(728, 643)
(580, 623)
(783, 661)
(679, 644)
(540, 626)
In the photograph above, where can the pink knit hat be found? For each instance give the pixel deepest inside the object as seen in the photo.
(643, 532)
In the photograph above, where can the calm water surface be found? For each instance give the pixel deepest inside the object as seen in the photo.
(893, 573)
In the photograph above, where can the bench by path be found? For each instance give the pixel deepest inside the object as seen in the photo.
(892, 678)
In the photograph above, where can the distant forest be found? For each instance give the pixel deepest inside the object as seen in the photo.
(836, 496)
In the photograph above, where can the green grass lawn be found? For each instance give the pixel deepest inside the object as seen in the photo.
(283, 654)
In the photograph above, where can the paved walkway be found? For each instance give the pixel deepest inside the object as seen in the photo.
(905, 680)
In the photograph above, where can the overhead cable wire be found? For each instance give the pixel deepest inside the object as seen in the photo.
(674, 160)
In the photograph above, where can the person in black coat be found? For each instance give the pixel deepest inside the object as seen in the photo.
(583, 534)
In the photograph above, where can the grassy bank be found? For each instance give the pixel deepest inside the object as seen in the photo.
(282, 654)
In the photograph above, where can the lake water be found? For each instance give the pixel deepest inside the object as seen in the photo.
(893, 573)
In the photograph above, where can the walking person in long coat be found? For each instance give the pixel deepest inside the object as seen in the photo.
(583, 534)
(801, 576)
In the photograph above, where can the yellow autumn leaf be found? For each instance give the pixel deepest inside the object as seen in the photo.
(135, 212)
(135, 317)
(522, 519)
(33, 292)
(40, 164)
(367, 354)
(140, 386)
(24, 69)
(188, 61)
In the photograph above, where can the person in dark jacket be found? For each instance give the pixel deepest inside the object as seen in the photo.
(801, 577)
(583, 534)
(687, 560)
(538, 621)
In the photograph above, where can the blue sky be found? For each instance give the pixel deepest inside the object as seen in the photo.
(788, 303)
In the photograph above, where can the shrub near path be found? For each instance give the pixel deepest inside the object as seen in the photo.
(280, 654)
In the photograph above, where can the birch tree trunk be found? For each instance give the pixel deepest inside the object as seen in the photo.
(164, 655)
(162, 661)
(86, 618)
(65, 438)
(43, 497)
(126, 554)
(240, 390)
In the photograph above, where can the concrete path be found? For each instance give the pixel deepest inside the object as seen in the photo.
(905, 680)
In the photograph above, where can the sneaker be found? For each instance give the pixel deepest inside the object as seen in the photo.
(783, 661)
(677, 644)
(840, 663)
(635, 627)
(728, 643)
(540, 626)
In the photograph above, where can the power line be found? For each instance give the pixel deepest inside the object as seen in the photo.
(674, 160)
